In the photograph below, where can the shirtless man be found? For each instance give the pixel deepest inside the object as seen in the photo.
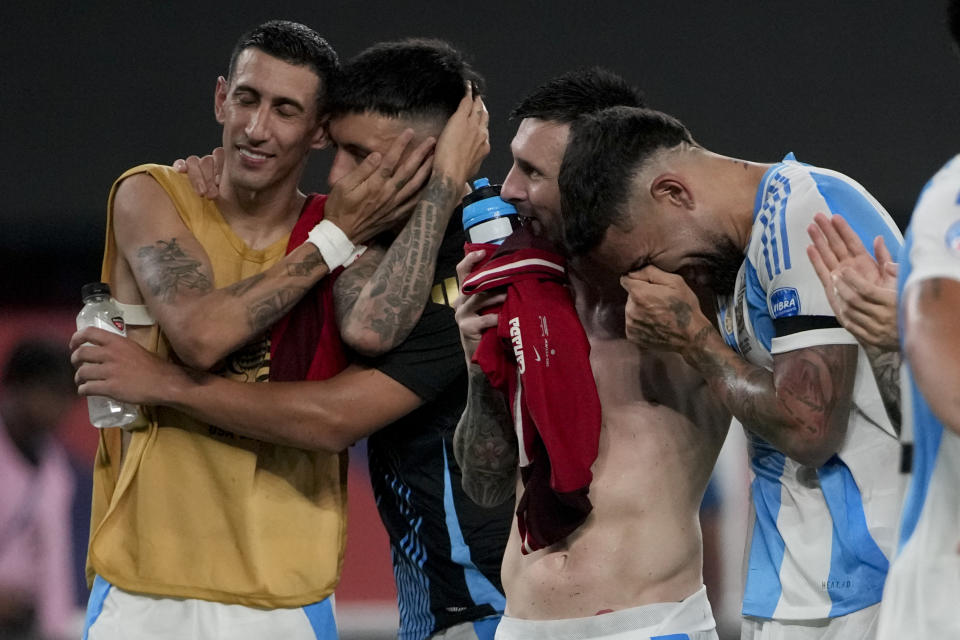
(637, 558)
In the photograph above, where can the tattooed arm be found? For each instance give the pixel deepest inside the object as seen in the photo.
(381, 301)
(162, 265)
(886, 371)
(485, 445)
(377, 313)
(932, 345)
(801, 407)
(862, 291)
(484, 442)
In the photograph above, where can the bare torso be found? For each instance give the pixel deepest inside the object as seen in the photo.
(641, 543)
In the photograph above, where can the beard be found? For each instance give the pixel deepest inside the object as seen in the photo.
(717, 269)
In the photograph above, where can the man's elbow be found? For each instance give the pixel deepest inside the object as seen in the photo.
(813, 451)
(196, 352)
(365, 341)
(335, 442)
(196, 346)
(320, 439)
(472, 492)
(330, 433)
(485, 493)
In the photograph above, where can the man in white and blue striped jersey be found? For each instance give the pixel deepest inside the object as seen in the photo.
(920, 600)
(640, 195)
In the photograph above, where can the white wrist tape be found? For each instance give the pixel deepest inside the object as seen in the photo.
(333, 243)
(356, 254)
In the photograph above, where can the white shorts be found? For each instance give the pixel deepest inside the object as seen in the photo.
(689, 619)
(859, 625)
(115, 614)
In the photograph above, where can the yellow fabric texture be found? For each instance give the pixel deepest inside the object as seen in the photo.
(197, 512)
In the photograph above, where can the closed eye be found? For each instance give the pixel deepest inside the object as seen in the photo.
(528, 169)
(637, 265)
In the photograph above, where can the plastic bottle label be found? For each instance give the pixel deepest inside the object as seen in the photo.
(496, 229)
(114, 324)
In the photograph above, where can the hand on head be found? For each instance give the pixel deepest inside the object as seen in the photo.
(662, 312)
(465, 140)
(381, 190)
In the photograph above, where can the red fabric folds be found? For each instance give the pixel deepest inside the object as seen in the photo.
(539, 356)
(305, 343)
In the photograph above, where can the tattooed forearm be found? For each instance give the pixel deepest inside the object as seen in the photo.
(204, 324)
(485, 445)
(412, 259)
(346, 290)
(296, 269)
(801, 408)
(240, 288)
(886, 371)
(267, 311)
(305, 267)
(745, 390)
(167, 270)
(396, 293)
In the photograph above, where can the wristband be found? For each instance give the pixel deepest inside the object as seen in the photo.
(356, 254)
(333, 243)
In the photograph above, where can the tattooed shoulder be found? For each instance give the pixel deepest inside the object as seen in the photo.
(168, 270)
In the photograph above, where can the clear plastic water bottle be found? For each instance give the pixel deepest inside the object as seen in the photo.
(486, 216)
(100, 310)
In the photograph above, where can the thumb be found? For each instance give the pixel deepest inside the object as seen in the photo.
(880, 250)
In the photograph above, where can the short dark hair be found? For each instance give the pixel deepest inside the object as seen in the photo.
(294, 43)
(38, 362)
(584, 90)
(406, 78)
(604, 152)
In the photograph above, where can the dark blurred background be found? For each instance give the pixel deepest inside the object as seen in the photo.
(89, 89)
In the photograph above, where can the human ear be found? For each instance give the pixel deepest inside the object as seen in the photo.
(671, 189)
(320, 138)
(219, 98)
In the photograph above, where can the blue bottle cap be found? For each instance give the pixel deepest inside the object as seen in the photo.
(484, 203)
